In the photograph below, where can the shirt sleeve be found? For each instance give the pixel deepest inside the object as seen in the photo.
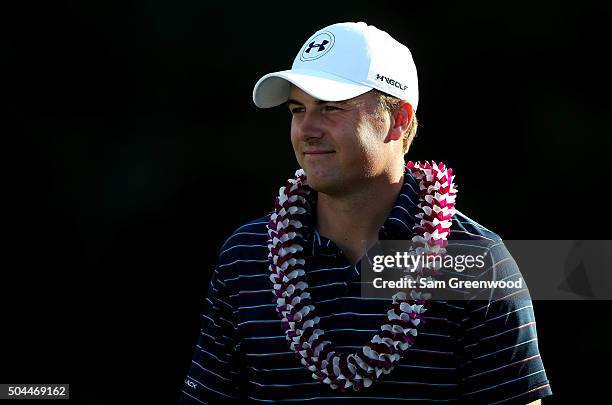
(500, 359)
(214, 371)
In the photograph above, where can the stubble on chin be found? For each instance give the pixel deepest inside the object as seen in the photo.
(330, 185)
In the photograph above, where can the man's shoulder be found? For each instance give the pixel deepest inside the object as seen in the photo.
(254, 231)
(247, 246)
(465, 228)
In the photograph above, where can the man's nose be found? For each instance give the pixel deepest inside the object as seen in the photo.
(311, 125)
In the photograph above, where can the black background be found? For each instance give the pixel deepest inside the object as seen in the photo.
(133, 150)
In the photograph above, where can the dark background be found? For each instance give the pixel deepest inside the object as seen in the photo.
(133, 150)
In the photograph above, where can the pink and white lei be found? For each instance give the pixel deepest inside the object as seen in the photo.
(342, 370)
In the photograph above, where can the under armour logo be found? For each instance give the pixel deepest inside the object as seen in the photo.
(321, 46)
(317, 46)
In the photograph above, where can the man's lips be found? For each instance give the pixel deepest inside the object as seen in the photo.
(318, 152)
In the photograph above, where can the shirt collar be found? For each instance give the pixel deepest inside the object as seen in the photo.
(398, 225)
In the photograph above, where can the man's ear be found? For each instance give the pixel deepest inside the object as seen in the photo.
(401, 121)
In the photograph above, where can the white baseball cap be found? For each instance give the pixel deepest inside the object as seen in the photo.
(343, 61)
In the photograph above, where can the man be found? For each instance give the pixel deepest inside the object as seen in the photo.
(352, 92)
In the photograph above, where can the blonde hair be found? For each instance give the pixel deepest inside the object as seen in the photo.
(391, 105)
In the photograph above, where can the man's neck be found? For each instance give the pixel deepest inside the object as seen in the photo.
(353, 220)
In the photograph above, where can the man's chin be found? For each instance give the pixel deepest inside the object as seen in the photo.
(324, 185)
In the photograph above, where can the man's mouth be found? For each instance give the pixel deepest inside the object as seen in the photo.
(319, 152)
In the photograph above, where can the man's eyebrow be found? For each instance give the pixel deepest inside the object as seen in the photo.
(292, 101)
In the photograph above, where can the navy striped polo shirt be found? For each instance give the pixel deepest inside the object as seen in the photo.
(470, 350)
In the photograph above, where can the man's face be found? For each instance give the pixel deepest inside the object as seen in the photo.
(340, 145)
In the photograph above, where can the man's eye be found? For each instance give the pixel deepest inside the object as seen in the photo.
(301, 109)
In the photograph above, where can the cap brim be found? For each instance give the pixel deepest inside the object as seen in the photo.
(273, 89)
